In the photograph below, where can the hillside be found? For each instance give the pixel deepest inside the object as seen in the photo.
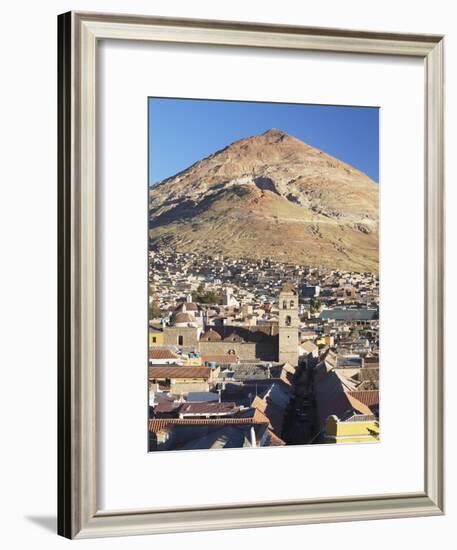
(270, 196)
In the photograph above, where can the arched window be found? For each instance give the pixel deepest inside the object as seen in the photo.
(284, 305)
(292, 304)
(288, 321)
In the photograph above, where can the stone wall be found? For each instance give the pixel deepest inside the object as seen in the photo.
(264, 351)
(189, 336)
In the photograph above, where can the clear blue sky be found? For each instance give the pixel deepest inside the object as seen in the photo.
(182, 131)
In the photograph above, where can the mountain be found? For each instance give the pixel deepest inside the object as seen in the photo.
(270, 196)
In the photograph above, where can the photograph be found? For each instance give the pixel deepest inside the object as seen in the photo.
(263, 274)
(230, 226)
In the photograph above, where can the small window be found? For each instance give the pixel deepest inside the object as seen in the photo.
(180, 340)
(284, 305)
(154, 340)
(288, 321)
(292, 304)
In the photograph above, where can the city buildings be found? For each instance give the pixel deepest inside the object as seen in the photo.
(259, 353)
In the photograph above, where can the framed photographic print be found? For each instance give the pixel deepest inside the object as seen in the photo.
(250, 275)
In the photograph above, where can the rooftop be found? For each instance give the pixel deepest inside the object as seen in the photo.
(162, 353)
(157, 424)
(369, 398)
(208, 408)
(185, 318)
(176, 371)
(341, 314)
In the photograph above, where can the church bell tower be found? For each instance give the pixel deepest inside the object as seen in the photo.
(288, 325)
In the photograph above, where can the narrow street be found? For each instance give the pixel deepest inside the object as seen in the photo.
(301, 417)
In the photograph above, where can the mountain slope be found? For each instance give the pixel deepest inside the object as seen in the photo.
(270, 196)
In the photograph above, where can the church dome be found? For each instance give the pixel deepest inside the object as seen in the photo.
(184, 318)
(233, 338)
(211, 336)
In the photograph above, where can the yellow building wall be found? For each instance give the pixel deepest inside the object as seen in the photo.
(325, 341)
(193, 362)
(351, 432)
(157, 336)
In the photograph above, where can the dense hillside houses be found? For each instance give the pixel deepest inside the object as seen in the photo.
(258, 353)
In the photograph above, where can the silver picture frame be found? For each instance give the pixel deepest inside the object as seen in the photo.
(78, 512)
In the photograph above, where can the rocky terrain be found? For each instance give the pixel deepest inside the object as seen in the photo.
(270, 196)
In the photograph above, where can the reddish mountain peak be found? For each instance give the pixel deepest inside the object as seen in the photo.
(241, 198)
(275, 132)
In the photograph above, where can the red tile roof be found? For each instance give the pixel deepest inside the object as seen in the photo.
(260, 418)
(162, 353)
(185, 318)
(176, 371)
(367, 397)
(360, 407)
(158, 424)
(188, 306)
(166, 407)
(272, 412)
(210, 336)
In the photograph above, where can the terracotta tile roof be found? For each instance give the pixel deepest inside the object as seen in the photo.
(189, 306)
(176, 371)
(360, 407)
(210, 336)
(257, 333)
(233, 337)
(367, 397)
(185, 318)
(166, 407)
(162, 353)
(259, 403)
(260, 418)
(273, 414)
(158, 424)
